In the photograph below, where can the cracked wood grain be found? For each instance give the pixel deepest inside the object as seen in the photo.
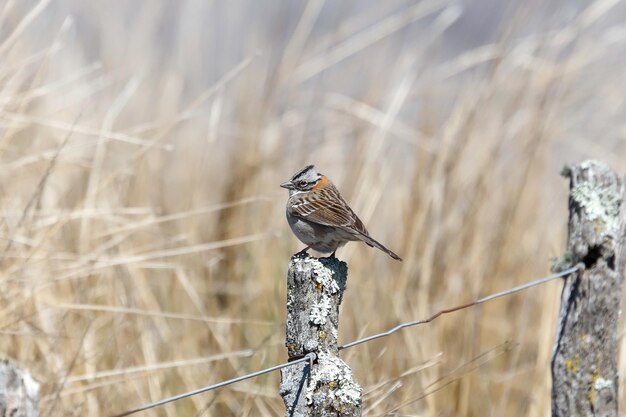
(584, 361)
(326, 389)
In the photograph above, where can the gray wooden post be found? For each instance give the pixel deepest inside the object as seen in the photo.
(19, 392)
(584, 361)
(314, 291)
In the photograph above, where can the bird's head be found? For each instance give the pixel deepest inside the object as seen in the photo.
(304, 180)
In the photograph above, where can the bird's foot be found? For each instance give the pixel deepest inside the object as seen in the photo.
(303, 252)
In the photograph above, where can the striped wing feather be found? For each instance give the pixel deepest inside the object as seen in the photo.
(327, 207)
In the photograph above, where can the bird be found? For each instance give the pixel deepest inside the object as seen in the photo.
(320, 217)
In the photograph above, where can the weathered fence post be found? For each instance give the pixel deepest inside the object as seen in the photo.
(314, 291)
(584, 361)
(19, 392)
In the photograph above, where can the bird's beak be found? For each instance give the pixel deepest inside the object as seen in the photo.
(288, 185)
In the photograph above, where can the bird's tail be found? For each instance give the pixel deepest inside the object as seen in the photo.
(374, 243)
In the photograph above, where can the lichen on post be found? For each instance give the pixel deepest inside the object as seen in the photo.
(19, 392)
(314, 292)
(584, 361)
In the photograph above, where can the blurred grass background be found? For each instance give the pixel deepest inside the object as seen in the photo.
(144, 245)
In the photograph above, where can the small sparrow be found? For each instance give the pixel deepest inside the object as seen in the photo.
(320, 217)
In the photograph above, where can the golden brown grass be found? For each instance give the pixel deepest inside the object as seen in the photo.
(145, 249)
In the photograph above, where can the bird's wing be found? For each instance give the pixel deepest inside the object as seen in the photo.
(328, 208)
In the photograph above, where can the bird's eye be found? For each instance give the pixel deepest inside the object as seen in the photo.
(301, 183)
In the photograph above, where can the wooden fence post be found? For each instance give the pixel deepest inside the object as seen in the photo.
(314, 291)
(19, 392)
(584, 360)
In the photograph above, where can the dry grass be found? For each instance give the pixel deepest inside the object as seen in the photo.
(144, 243)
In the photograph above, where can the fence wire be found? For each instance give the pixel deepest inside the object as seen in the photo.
(461, 307)
(310, 357)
